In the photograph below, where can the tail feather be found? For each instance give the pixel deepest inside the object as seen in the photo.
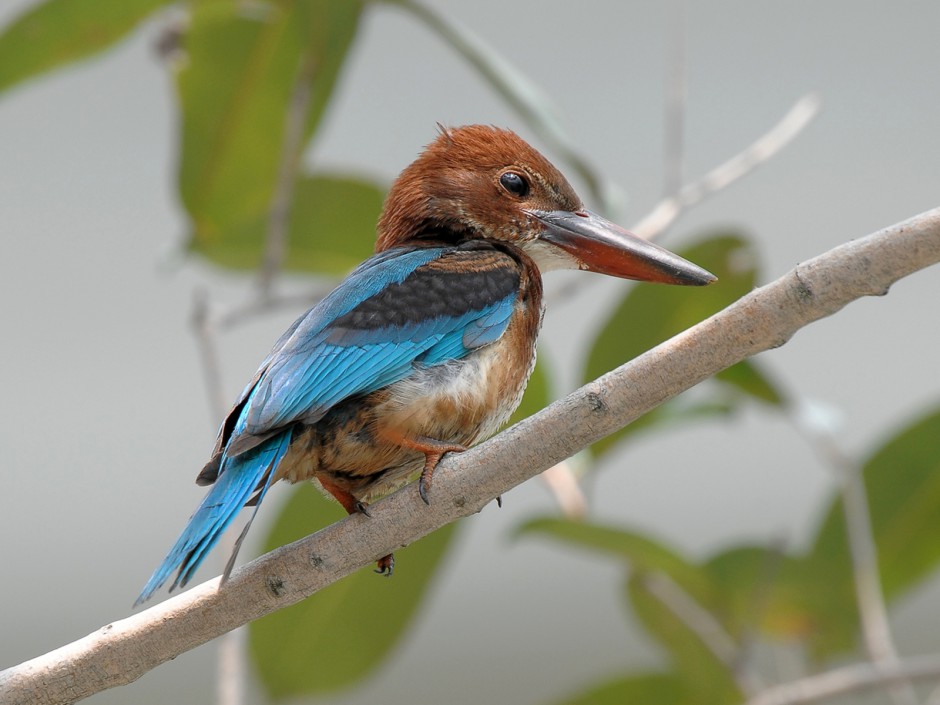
(238, 479)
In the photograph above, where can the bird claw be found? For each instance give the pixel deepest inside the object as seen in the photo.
(385, 565)
(363, 508)
(424, 484)
(499, 501)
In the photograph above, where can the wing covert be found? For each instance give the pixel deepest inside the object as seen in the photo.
(396, 310)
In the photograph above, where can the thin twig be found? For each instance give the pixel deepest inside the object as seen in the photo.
(230, 682)
(261, 306)
(204, 330)
(780, 135)
(849, 679)
(933, 698)
(759, 601)
(873, 612)
(562, 482)
(465, 482)
(674, 122)
(704, 625)
(665, 213)
(275, 245)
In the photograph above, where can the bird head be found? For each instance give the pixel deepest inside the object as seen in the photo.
(483, 183)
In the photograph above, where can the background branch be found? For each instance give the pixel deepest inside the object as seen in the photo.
(779, 136)
(873, 612)
(230, 685)
(275, 246)
(849, 679)
(766, 318)
(704, 625)
(672, 205)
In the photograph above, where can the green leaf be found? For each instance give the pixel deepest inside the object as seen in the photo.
(649, 315)
(650, 560)
(778, 595)
(902, 479)
(695, 663)
(59, 32)
(338, 636)
(812, 598)
(643, 689)
(244, 63)
(641, 552)
(747, 377)
(332, 229)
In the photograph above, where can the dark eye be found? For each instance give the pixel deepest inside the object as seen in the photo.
(514, 183)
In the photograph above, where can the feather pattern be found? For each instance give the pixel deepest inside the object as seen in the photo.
(425, 348)
(355, 341)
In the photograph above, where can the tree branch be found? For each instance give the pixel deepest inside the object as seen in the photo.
(706, 627)
(849, 679)
(779, 136)
(464, 483)
(275, 246)
(230, 684)
(873, 611)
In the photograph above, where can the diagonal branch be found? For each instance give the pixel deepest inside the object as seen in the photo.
(873, 612)
(849, 679)
(706, 627)
(230, 686)
(766, 318)
(779, 136)
(275, 246)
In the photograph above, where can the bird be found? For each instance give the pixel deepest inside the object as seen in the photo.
(424, 349)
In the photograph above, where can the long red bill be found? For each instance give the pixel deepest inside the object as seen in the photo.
(600, 245)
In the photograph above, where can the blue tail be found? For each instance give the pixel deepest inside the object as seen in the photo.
(238, 478)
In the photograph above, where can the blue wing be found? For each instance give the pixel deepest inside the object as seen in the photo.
(399, 308)
(424, 306)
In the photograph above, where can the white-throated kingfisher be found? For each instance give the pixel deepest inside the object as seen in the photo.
(425, 348)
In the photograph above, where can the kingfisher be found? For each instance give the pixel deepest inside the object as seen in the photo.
(425, 348)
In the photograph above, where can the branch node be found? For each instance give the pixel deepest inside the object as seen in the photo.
(596, 403)
(276, 585)
(804, 291)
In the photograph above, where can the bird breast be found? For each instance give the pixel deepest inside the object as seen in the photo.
(460, 401)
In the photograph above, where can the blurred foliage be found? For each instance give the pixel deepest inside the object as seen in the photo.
(342, 633)
(331, 230)
(56, 34)
(802, 597)
(249, 70)
(649, 315)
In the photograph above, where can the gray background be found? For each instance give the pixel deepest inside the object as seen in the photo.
(105, 419)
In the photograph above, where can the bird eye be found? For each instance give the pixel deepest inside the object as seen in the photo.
(514, 183)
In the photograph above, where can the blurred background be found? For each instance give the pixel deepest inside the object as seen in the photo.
(106, 418)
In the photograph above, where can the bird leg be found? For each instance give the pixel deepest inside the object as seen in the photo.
(344, 497)
(433, 450)
(386, 564)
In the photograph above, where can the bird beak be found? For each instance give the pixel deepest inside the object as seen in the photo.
(599, 245)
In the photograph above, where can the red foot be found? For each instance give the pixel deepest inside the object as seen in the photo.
(385, 565)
